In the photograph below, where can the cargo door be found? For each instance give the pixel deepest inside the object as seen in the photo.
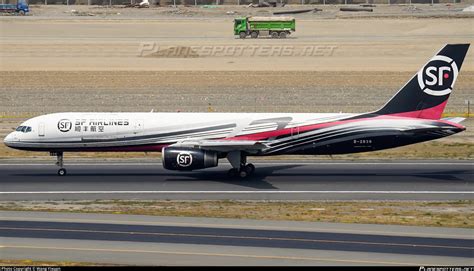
(41, 129)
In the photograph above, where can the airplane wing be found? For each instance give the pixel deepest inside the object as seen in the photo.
(224, 145)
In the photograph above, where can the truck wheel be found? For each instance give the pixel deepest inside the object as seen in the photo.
(274, 35)
(21, 12)
(254, 34)
(282, 35)
(242, 35)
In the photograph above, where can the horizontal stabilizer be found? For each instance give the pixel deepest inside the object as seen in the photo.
(454, 119)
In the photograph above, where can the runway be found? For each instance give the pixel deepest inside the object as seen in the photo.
(217, 241)
(282, 180)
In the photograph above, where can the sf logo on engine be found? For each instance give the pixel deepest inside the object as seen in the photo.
(184, 159)
(438, 76)
(64, 125)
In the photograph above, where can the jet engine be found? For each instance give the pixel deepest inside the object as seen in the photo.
(177, 158)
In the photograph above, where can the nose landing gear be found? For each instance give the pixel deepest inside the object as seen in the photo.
(60, 163)
(62, 172)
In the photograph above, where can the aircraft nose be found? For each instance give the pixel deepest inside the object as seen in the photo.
(9, 139)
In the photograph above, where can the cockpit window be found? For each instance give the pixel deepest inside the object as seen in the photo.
(23, 129)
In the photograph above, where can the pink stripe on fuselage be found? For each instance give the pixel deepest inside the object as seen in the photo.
(287, 131)
(433, 113)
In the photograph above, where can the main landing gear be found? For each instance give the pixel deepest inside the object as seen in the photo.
(60, 163)
(240, 168)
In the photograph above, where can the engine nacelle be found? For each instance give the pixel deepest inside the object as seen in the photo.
(177, 158)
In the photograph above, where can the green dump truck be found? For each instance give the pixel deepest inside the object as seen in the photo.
(275, 27)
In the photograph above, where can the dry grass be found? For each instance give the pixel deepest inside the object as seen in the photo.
(417, 213)
(458, 114)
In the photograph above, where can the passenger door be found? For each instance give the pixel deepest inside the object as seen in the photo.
(41, 129)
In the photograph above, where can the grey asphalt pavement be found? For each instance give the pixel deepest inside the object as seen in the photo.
(130, 239)
(282, 180)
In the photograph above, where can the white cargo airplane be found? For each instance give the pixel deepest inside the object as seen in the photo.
(191, 141)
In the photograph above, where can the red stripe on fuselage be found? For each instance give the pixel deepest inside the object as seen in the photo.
(288, 131)
(433, 113)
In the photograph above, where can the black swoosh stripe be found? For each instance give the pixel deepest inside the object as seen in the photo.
(314, 134)
(348, 137)
(324, 139)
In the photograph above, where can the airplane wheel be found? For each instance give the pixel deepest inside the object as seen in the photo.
(233, 172)
(243, 173)
(251, 167)
(62, 172)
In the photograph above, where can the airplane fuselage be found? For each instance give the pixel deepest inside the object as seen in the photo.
(285, 133)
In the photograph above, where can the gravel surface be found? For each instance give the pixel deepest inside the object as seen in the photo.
(31, 93)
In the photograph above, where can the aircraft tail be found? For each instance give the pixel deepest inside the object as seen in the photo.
(426, 94)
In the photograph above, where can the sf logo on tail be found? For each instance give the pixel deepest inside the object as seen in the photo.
(184, 159)
(438, 76)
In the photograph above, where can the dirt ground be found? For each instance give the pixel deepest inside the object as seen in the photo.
(317, 45)
(56, 61)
